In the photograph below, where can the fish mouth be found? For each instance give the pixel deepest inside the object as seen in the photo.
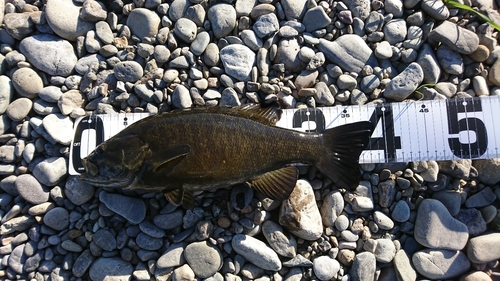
(93, 177)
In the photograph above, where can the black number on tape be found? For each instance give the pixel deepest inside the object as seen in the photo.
(389, 142)
(471, 146)
(87, 123)
(309, 115)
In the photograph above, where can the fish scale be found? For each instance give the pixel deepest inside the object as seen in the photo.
(462, 128)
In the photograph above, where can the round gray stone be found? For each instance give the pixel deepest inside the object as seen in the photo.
(341, 53)
(282, 243)
(204, 259)
(31, 190)
(128, 71)
(105, 240)
(27, 82)
(103, 268)
(49, 53)
(78, 191)
(238, 61)
(199, 44)
(186, 30)
(57, 218)
(143, 23)
(64, 19)
(401, 211)
(325, 268)
(19, 109)
(223, 19)
(405, 83)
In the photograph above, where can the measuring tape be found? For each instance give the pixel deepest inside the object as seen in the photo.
(462, 128)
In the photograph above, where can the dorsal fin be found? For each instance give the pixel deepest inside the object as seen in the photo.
(266, 115)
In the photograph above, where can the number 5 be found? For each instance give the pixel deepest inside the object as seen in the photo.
(469, 147)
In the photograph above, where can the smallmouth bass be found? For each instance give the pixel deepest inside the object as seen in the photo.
(181, 152)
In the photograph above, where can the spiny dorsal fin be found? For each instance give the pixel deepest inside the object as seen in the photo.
(266, 115)
(277, 184)
(180, 198)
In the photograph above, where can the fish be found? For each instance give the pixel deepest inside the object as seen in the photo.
(182, 152)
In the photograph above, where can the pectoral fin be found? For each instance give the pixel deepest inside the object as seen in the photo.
(277, 184)
(180, 197)
(164, 160)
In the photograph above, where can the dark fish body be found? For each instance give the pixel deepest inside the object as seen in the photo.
(204, 149)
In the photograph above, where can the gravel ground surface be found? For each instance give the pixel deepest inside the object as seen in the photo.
(60, 60)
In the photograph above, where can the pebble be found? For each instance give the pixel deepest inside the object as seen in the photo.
(475, 276)
(483, 248)
(440, 264)
(27, 82)
(434, 222)
(450, 61)
(395, 31)
(59, 128)
(340, 52)
(299, 213)
(57, 218)
(401, 211)
(282, 243)
(169, 221)
(103, 268)
(294, 9)
(132, 209)
(64, 19)
(173, 256)
(385, 250)
(266, 25)
(405, 83)
(185, 29)
(200, 43)
(486, 169)
(238, 61)
(105, 240)
(483, 198)
(325, 268)
(31, 190)
(363, 199)
(473, 220)
(128, 71)
(382, 220)
(181, 97)
(458, 39)
(143, 23)
(77, 191)
(315, 19)
(494, 73)
(436, 9)
(6, 93)
(51, 170)
(222, 18)
(256, 252)
(332, 207)
(429, 64)
(363, 266)
(403, 267)
(19, 109)
(183, 273)
(204, 259)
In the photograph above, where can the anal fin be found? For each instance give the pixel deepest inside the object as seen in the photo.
(277, 184)
(179, 197)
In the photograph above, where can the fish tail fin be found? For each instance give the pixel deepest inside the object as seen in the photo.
(344, 145)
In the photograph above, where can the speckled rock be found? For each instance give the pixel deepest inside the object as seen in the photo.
(299, 213)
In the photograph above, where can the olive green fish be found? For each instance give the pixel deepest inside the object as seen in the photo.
(181, 152)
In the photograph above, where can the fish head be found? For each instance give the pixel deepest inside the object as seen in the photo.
(116, 162)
